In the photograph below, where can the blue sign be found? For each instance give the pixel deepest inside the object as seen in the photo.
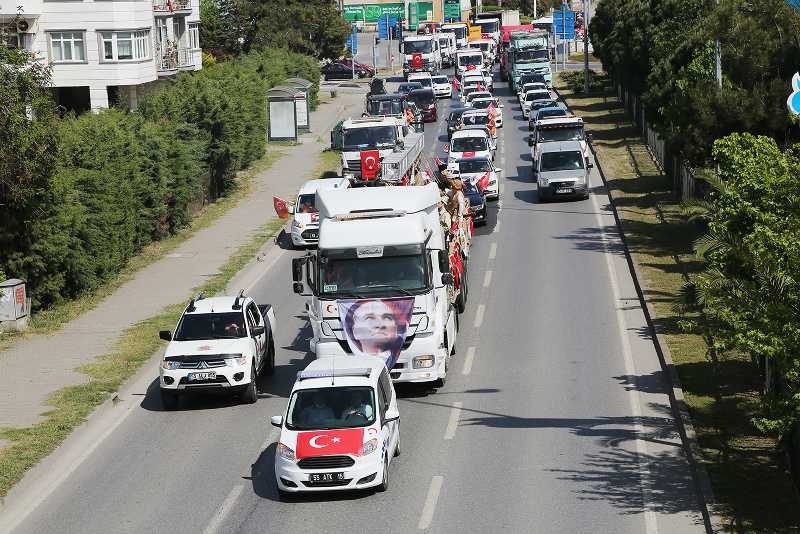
(793, 102)
(564, 24)
(352, 42)
(384, 23)
(794, 3)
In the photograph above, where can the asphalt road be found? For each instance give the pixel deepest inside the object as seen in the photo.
(554, 418)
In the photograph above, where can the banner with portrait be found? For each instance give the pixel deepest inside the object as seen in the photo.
(376, 327)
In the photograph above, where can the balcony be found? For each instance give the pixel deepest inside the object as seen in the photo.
(169, 7)
(171, 60)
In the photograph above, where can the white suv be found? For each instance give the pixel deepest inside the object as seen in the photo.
(341, 428)
(220, 344)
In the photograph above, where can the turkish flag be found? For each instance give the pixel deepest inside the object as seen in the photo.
(281, 209)
(370, 164)
(485, 36)
(327, 442)
(492, 110)
(314, 216)
(471, 227)
(483, 182)
(416, 60)
(469, 154)
(456, 84)
(471, 67)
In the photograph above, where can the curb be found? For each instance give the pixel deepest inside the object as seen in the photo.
(713, 521)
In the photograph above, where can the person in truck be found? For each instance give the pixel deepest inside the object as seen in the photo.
(318, 413)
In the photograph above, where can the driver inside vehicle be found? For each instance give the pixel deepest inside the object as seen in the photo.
(318, 413)
(358, 406)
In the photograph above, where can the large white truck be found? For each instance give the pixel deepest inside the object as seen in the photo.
(421, 54)
(382, 243)
(353, 136)
(459, 29)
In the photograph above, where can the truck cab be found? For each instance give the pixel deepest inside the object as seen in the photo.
(421, 54)
(383, 246)
(468, 59)
(381, 133)
(447, 48)
(459, 30)
(529, 54)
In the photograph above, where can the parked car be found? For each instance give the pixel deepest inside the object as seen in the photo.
(340, 71)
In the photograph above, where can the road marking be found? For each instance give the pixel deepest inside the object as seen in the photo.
(452, 424)
(479, 316)
(487, 279)
(651, 526)
(493, 251)
(468, 361)
(496, 227)
(430, 502)
(223, 510)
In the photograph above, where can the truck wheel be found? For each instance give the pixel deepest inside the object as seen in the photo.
(250, 395)
(169, 399)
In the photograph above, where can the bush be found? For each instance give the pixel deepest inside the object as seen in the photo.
(574, 80)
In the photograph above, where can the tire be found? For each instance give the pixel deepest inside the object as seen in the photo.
(250, 394)
(384, 485)
(169, 399)
(397, 446)
(269, 370)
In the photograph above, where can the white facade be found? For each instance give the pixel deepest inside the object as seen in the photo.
(102, 44)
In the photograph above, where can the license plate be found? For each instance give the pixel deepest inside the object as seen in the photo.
(312, 235)
(325, 477)
(565, 190)
(203, 376)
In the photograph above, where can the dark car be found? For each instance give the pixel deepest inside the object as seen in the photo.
(477, 203)
(425, 100)
(406, 87)
(369, 69)
(340, 71)
(377, 86)
(452, 120)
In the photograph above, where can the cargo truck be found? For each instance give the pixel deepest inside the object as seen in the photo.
(528, 53)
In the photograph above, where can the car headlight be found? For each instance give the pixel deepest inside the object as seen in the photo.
(423, 362)
(235, 360)
(170, 364)
(369, 447)
(544, 182)
(285, 452)
(298, 224)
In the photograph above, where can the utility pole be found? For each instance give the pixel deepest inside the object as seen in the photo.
(586, 46)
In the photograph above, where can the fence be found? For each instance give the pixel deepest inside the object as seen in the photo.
(684, 183)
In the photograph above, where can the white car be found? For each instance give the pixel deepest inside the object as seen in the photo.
(424, 78)
(220, 344)
(469, 143)
(478, 118)
(341, 429)
(477, 94)
(474, 169)
(478, 78)
(530, 86)
(532, 96)
(441, 86)
(305, 215)
(483, 102)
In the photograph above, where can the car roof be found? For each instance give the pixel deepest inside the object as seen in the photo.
(423, 90)
(471, 132)
(223, 304)
(561, 146)
(418, 75)
(340, 371)
(312, 186)
(473, 111)
(474, 158)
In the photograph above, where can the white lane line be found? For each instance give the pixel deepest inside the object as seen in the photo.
(223, 510)
(452, 424)
(479, 316)
(650, 521)
(493, 251)
(496, 227)
(430, 502)
(487, 279)
(468, 361)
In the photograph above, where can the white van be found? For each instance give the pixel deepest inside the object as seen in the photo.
(469, 143)
(305, 220)
(467, 58)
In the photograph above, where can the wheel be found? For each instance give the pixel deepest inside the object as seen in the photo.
(169, 399)
(384, 485)
(270, 368)
(250, 395)
(397, 446)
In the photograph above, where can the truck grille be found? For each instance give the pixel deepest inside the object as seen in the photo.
(354, 165)
(556, 185)
(198, 364)
(325, 462)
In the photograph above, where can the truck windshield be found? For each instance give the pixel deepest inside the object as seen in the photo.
(329, 408)
(443, 42)
(418, 47)
(197, 326)
(469, 144)
(402, 270)
(372, 137)
(483, 46)
(460, 31)
(561, 161)
(531, 56)
(472, 59)
(488, 26)
(385, 107)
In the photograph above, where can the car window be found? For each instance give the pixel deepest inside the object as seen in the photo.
(441, 79)
(469, 144)
(474, 165)
(332, 407)
(253, 309)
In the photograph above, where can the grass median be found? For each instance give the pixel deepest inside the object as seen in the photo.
(751, 485)
(136, 345)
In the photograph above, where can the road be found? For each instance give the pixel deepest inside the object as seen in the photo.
(554, 418)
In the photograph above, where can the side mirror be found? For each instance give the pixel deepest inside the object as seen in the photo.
(276, 420)
(590, 165)
(297, 287)
(391, 415)
(447, 279)
(297, 269)
(166, 335)
(258, 330)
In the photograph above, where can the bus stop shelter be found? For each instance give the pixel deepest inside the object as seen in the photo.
(303, 104)
(282, 112)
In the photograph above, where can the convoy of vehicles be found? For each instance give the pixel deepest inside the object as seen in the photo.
(421, 54)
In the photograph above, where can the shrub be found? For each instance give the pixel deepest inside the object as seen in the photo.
(574, 80)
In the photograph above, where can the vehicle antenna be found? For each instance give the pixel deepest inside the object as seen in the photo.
(333, 371)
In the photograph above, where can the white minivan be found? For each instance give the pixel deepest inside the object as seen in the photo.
(305, 215)
(469, 143)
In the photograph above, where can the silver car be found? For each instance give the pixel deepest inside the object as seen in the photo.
(562, 171)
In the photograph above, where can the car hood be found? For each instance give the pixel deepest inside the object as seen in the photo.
(208, 347)
(562, 176)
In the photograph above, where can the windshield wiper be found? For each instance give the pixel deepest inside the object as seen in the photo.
(394, 288)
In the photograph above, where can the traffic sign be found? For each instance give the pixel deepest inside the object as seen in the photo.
(352, 41)
(384, 23)
(564, 24)
(793, 102)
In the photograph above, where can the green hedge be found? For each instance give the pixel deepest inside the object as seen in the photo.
(125, 179)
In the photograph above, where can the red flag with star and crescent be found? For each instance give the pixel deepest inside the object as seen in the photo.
(326, 442)
(281, 208)
(370, 163)
(483, 182)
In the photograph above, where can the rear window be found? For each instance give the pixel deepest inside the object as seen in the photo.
(425, 82)
(469, 144)
(422, 98)
(538, 95)
(440, 79)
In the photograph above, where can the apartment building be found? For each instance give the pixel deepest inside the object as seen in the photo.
(105, 51)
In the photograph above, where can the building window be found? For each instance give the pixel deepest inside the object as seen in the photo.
(194, 36)
(67, 46)
(125, 46)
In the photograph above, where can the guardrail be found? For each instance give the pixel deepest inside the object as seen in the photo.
(168, 6)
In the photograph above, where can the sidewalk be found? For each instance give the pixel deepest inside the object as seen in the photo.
(34, 368)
